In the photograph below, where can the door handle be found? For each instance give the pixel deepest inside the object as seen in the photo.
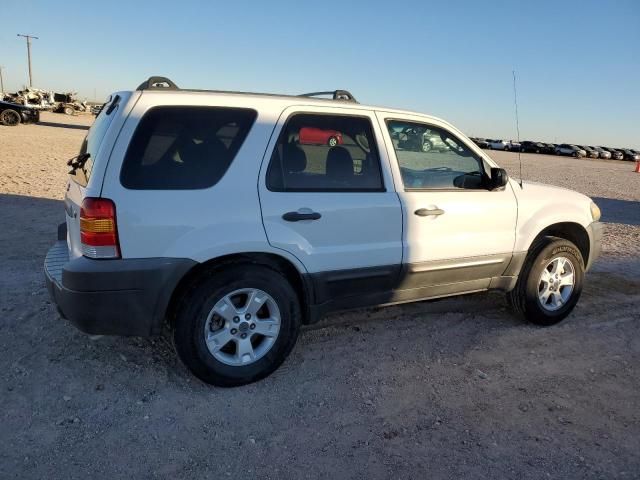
(425, 212)
(298, 216)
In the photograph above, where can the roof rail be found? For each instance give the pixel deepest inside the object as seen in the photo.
(343, 95)
(157, 83)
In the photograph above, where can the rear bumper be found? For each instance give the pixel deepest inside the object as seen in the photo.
(594, 231)
(113, 297)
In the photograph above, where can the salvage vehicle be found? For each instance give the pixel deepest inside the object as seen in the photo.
(570, 150)
(602, 153)
(629, 154)
(481, 142)
(591, 152)
(615, 154)
(202, 213)
(532, 147)
(503, 145)
(12, 114)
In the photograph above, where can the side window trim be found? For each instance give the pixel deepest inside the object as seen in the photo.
(384, 122)
(282, 131)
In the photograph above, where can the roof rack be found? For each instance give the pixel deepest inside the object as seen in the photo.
(157, 83)
(163, 83)
(343, 95)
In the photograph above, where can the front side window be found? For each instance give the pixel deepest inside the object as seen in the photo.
(325, 153)
(184, 148)
(432, 158)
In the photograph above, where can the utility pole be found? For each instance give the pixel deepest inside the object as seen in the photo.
(29, 37)
(1, 81)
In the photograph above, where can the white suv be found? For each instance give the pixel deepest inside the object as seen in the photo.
(209, 213)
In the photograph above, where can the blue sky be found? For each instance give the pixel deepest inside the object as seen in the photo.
(577, 62)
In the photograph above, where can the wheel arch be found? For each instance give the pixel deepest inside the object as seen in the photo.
(298, 280)
(574, 232)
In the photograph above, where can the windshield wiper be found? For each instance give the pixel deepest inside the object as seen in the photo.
(77, 162)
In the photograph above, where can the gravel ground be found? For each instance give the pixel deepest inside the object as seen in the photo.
(448, 389)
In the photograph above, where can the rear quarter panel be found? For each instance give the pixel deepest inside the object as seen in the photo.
(197, 224)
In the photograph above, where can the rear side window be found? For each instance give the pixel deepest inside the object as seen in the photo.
(184, 148)
(325, 153)
(92, 141)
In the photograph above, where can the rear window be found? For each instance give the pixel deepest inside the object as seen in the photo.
(92, 141)
(184, 148)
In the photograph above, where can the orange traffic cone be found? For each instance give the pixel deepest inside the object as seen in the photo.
(637, 170)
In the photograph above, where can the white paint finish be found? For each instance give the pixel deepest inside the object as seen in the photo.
(357, 229)
(76, 192)
(542, 205)
(474, 223)
(197, 224)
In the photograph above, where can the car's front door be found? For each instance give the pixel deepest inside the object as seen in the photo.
(334, 208)
(458, 233)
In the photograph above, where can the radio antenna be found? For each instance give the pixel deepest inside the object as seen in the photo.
(515, 101)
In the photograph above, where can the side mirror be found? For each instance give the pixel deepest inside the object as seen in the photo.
(499, 178)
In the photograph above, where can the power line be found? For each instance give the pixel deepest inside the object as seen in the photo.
(29, 37)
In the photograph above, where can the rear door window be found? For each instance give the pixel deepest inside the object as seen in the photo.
(184, 148)
(325, 153)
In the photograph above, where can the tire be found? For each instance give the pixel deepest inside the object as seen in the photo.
(195, 319)
(427, 146)
(10, 118)
(525, 297)
(68, 110)
(333, 141)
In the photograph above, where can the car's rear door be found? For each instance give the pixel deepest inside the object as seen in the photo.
(334, 208)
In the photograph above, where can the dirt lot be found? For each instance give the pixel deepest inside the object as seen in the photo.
(451, 389)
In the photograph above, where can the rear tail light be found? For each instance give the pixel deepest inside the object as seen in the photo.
(98, 230)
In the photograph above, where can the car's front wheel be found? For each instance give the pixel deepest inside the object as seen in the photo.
(10, 117)
(237, 325)
(550, 282)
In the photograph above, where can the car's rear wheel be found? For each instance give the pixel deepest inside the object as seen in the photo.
(68, 110)
(237, 325)
(333, 141)
(10, 117)
(427, 146)
(550, 282)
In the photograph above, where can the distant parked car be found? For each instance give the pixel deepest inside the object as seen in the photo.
(615, 154)
(12, 114)
(531, 147)
(630, 154)
(318, 136)
(420, 140)
(548, 148)
(570, 150)
(591, 153)
(503, 145)
(481, 142)
(602, 153)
